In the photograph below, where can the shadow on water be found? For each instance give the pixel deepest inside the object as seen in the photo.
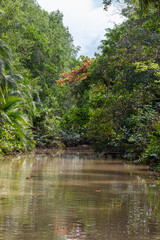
(74, 195)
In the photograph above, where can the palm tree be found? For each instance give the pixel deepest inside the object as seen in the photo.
(11, 114)
(12, 106)
(4, 65)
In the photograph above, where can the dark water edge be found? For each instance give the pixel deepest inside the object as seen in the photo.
(88, 149)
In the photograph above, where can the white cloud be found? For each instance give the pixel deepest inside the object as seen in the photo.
(86, 23)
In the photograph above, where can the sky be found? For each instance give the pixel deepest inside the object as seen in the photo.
(86, 20)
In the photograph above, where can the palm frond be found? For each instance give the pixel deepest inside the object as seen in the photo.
(11, 103)
(5, 117)
(4, 56)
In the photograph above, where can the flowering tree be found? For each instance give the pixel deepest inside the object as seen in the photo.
(77, 76)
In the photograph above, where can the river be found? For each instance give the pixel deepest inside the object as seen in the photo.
(73, 195)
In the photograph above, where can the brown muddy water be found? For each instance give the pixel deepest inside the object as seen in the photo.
(73, 195)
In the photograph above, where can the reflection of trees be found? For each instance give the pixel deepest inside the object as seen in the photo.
(58, 201)
(153, 200)
(106, 217)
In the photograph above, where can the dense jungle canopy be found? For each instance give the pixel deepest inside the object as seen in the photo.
(50, 98)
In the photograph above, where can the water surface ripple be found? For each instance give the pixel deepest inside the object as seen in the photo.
(74, 195)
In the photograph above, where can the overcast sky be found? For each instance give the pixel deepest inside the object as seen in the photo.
(86, 21)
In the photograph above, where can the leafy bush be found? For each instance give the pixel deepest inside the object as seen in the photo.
(46, 128)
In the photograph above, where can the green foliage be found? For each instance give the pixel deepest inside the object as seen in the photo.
(14, 119)
(128, 107)
(73, 125)
(117, 105)
(35, 48)
(142, 4)
(46, 128)
(152, 152)
(14, 124)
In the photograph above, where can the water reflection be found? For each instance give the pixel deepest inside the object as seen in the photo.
(73, 195)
